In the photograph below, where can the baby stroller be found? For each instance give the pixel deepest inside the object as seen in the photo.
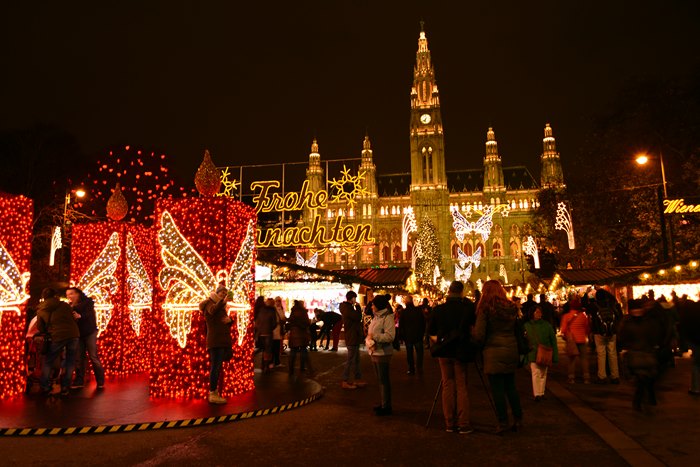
(34, 342)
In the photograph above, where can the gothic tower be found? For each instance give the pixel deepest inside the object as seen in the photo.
(429, 194)
(314, 177)
(369, 181)
(552, 175)
(494, 186)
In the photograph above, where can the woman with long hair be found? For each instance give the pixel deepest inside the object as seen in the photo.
(84, 314)
(495, 329)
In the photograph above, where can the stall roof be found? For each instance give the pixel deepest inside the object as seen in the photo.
(379, 277)
(305, 273)
(600, 276)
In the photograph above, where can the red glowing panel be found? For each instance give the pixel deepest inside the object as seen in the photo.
(211, 237)
(16, 215)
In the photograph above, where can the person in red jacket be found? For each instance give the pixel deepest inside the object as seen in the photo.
(576, 325)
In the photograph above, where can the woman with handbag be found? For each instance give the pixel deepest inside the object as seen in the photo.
(544, 353)
(575, 327)
(495, 328)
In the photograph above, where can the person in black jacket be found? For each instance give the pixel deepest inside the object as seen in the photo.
(451, 324)
(84, 314)
(411, 330)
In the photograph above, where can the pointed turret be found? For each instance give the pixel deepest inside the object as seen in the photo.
(424, 93)
(367, 166)
(493, 170)
(552, 174)
(314, 174)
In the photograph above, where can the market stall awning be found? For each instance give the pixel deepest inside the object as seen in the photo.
(600, 276)
(281, 271)
(379, 277)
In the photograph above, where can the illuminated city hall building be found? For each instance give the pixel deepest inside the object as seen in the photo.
(508, 195)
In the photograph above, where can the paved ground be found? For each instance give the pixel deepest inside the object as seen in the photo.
(341, 429)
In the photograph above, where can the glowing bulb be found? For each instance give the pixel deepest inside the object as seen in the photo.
(642, 159)
(79, 192)
(677, 269)
(662, 272)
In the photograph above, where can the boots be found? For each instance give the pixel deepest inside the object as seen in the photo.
(215, 398)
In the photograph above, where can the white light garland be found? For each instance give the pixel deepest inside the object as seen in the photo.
(140, 287)
(56, 243)
(503, 273)
(530, 248)
(188, 280)
(99, 282)
(409, 226)
(563, 222)
(13, 284)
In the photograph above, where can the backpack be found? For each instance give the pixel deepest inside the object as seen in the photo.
(606, 316)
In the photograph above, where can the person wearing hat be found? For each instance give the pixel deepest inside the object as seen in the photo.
(380, 336)
(219, 343)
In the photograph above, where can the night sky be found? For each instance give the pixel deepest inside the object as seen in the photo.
(255, 83)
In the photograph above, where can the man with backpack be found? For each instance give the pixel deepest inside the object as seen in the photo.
(606, 315)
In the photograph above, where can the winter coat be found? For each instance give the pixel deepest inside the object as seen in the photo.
(454, 317)
(412, 325)
(266, 321)
(298, 326)
(352, 322)
(87, 323)
(540, 331)
(281, 318)
(218, 332)
(580, 326)
(59, 317)
(495, 328)
(382, 331)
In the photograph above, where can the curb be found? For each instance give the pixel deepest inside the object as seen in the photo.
(185, 423)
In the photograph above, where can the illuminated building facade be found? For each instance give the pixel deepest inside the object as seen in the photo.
(433, 192)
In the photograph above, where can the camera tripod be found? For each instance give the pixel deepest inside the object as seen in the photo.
(483, 383)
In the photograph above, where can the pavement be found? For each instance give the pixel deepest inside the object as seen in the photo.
(575, 425)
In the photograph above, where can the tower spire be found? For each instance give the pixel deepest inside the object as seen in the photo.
(552, 174)
(493, 170)
(424, 93)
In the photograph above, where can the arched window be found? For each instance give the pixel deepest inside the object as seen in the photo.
(454, 249)
(397, 256)
(385, 253)
(497, 252)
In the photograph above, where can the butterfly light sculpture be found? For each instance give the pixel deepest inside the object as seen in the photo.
(188, 281)
(311, 262)
(99, 282)
(13, 290)
(481, 227)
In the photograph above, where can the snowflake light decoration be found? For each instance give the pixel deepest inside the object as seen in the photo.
(348, 187)
(230, 186)
(563, 222)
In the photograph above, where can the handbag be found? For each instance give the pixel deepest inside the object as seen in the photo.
(544, 355)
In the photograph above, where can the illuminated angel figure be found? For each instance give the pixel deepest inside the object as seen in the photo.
(99, 282)
(140, 287)
(13, 290)
(481, 227)
(188, 281)
(311, 262)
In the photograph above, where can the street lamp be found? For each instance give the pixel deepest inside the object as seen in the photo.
(79, 193)
(662, 194)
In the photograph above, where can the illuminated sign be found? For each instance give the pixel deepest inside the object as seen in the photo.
(319, 232)
(678, 206)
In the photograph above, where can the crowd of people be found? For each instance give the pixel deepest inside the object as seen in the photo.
(494, 332)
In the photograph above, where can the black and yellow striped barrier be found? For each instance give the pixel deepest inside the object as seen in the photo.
(125, 428)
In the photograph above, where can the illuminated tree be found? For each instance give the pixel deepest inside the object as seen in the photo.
(143, 175)
(430, 250)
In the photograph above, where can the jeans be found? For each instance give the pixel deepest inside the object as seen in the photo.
(353, 362)
(695, 371)
(606, 347)
(216, 359)
(88, 344)
(381, 368)
(502, 387)
(539, 379)
(419, 356)
(454, 389)
(71, 346)
(266, 344)
(293, 356)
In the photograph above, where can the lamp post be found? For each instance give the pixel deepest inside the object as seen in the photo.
(79, 193)
(661, 194)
